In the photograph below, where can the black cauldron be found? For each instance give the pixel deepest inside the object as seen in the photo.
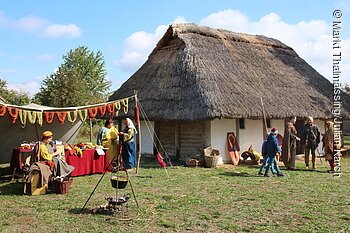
(119, 182)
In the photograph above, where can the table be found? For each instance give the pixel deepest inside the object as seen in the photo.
(18, 158)
(89, 163)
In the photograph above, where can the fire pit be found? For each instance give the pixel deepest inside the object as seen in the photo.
(114, 201)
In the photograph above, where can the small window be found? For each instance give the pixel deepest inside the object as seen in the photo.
(241, 123)
(268, 123)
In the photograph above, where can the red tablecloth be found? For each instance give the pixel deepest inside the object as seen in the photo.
(16, 159)
(89, 163)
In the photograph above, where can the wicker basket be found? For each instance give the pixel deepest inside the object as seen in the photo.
(211, 157)
(63, 187)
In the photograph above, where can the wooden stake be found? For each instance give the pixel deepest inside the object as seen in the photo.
(264, 120)
(90, 130)
(138, 138)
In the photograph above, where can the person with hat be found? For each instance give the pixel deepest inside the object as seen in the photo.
(45, 154)
(45, 151)
(270, 150)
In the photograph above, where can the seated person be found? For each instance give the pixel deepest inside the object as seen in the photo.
(44, 154)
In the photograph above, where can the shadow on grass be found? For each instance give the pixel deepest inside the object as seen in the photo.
(12, 188)
(238, 174)
(256, 167)
(80, 211)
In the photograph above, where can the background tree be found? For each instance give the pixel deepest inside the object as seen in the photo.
(12, 96)
(80, 80)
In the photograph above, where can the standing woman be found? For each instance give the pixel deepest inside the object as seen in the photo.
(129, 146)
(328, 144)
(289, 146)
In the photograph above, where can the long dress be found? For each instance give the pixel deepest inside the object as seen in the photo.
(289, 146)
(110, 140)
(57, 166)
(129, 148)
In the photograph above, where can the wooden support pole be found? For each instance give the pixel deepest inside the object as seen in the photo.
(90, 130)
(265, 131)
(138, 135)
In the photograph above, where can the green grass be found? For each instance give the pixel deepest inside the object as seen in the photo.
(223, 199)
(347, 141)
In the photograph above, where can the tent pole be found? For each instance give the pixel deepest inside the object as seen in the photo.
(90, 130)
(264, 120)
(138, 135)
(37, 133)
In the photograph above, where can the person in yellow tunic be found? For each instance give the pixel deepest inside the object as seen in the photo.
(101, 139)
(110, 140)
(46, 152)
(47, 155)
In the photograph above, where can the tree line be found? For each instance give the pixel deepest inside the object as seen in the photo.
(81, 79)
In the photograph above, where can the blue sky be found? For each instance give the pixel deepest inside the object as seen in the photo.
(36, 34)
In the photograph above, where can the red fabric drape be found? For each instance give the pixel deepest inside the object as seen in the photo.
(102, 110)
(89, 163)
(92, 112)
(2, 110)
(49, 117)
(13, 114)
(61, 116)
(160, 160)
(137, 114)
(111, 108)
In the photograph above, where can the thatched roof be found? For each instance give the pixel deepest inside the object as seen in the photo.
(197, 72)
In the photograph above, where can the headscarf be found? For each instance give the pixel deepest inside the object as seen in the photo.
(130, 124)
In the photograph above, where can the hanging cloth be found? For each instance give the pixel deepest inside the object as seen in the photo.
(125, 103)
(102, 110)
(49, 117)
(13, 114)
(137, 114)
(83, 114)
(2, 110)
(92, 112)
(160, 160)
(69, 116)
(39, 117)
(111, 109)
(31, 117)
(61, 116)
(23, 117)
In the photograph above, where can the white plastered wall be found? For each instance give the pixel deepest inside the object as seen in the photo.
(251, 135)
(219, 130)
(147, 136)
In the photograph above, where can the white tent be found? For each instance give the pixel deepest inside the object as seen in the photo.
(12, 135)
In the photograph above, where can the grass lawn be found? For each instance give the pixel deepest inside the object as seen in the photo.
(347, 141)
(223, 199)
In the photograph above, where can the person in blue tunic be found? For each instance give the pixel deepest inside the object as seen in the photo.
(129, 146)
(270, 149)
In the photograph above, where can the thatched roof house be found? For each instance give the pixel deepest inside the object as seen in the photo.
(197, 73)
